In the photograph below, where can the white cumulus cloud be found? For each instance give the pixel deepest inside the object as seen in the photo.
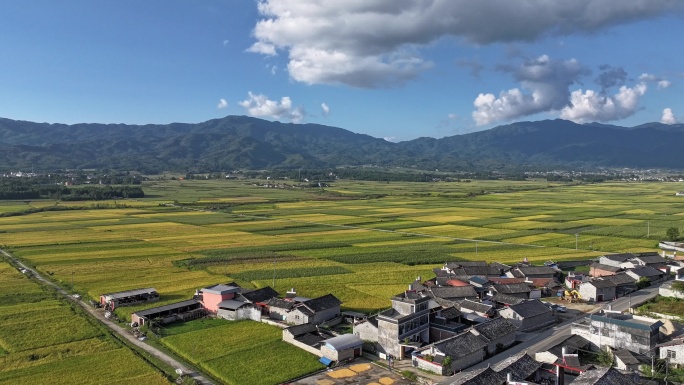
(326, 109)
(377, 43)
(660, 82)
(668, 117)
(258, 105)
(223, 103)
(646, 77)
(545, 86)
(664, 84)
(591, 106)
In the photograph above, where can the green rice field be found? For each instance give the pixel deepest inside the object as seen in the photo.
(242, 352)
(361, 241)
(43, 341)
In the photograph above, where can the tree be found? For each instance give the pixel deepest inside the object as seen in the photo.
(605, 358)
(446, 365)
(672, 234)
(446, 362)
(643, 282)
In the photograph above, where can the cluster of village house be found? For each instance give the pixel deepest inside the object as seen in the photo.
(467, 312)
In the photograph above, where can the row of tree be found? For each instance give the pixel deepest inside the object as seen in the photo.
(70, 194)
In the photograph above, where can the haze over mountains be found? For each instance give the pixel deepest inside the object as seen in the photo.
(244, 142)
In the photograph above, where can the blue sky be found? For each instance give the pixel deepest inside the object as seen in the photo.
(397, 69)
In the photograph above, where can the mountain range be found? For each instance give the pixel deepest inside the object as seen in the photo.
(240, 142)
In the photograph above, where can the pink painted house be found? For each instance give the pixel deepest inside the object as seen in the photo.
(213, 295)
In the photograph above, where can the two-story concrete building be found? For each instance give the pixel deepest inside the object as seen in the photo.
(620, 331)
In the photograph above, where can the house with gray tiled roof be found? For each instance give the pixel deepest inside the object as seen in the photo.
(315, 311)
(529, 315)
(604, 376)
(571, 345)
(647, 272)
(647, 259)
(453, 293)
(598, 290)
(627, 360)
(615, 259)
(483, 376)
(520, 290)
(597, 269)
(278, 308)
(479, 308)
(503, 300)
(465, 349)
(499, 333)
(532, 272)
(520, 367)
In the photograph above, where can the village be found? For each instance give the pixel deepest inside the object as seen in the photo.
(470, 312)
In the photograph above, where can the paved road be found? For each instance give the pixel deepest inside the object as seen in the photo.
(115, 327)
(550, 337)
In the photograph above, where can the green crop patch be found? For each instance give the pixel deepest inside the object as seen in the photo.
(43, 340)
(237, 352)
(255, 275)
(363, 246)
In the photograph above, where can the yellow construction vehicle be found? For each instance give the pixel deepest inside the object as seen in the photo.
(572, 296)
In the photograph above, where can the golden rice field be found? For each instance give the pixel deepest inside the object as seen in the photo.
(383, 243)
(43, 341)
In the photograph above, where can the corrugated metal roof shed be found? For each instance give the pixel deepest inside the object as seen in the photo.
(345, 341)
(173, 306)
(232, 304)
(129, 293)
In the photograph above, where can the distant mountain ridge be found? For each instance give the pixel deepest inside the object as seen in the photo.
(244, 142)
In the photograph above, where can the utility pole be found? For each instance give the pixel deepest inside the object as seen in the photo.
(576, 241)
(648, 232)
(475, 249)
(274, 265)
(667, 361)
(72, 281)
